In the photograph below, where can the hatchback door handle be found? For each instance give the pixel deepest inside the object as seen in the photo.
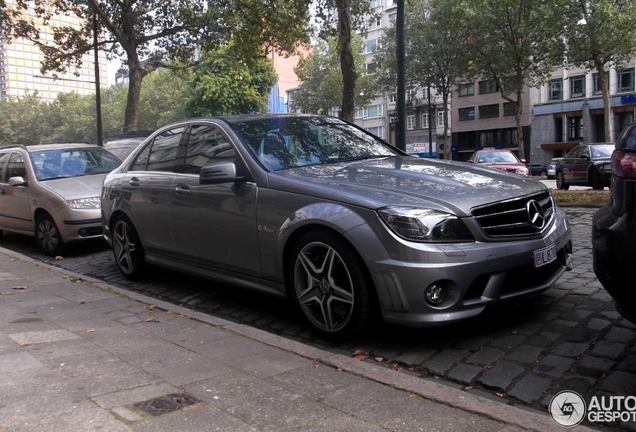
(134, 182)
(183, 190)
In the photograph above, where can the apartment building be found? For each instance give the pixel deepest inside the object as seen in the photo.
(570, 110)
(20, 62)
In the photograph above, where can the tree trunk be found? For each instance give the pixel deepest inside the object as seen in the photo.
(347, 64)
(518, 112)
(447, 147)
(135, 76)
(607, 115)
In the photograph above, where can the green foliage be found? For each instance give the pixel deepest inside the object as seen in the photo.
(163, 98)
(224, 84)
(322, 83)
(25, 120)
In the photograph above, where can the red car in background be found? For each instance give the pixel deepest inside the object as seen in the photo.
(504, 160)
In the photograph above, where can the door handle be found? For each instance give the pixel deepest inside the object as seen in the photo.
(183, 190)
(134, 182)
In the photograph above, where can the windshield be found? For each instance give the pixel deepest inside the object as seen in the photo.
(494, 157)
(601, 151)
(289, 142)
(72, 162)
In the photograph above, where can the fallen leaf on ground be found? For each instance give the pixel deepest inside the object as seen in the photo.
(20, 287)
(149, 320)
(500, 394)
(360, 354)
(339, 369)
(90, 331)
(59, 258)
(378, 359)
(468, 388)
(395, 366)
(436, 377)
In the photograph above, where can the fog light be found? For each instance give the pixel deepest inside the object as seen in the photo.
(435, 294)
(82, 232)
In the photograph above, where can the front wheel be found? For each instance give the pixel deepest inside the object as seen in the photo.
(127, 249)
(560, 183)
(330, 285)
(544, 174)
(597, 183)
(48, 237)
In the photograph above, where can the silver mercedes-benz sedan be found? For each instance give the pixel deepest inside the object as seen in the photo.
(320, 211)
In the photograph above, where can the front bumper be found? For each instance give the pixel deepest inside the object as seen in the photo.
(76, 225)
(474, 275)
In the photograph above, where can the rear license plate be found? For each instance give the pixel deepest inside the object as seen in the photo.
(544, 256)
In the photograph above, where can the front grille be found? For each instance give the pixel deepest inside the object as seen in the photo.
(510, 218)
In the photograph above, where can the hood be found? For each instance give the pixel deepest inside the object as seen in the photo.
(407, 181)
(504, 166)
(76, 187)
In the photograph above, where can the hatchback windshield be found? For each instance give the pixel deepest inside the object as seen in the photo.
(72, 162)
(280, 143)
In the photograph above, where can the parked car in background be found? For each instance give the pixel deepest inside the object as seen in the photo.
(552, 168)
(585, 165)
(52, 192)
(122, 145)
(323, 212)
(614, 229)
(538, 169)
(504, 160)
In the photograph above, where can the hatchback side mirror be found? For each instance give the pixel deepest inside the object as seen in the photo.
(17, 181)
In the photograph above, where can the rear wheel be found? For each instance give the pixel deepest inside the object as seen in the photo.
(544, 174)
(48, 237)
(597, 183)
(127, 249)
(330, 285)
(560, 183)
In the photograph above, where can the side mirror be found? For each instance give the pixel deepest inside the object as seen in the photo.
(523, 161)
(17, 181)
(586, 157)
(218, 172)
(470, 161)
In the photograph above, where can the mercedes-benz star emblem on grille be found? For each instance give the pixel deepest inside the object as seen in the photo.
(535, 214)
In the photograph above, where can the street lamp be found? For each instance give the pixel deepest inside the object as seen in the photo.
(98, 96)
(401, 79)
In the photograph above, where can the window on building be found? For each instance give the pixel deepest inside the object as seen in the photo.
(467, 139)
(466, 89)
(555, 90)
(374, 111)
(597, 85)
(410, 122)
(489, 138)
(393, 97)
(370, 67)
(510, 137)
(575, 128)
(577, 86)
(369, 46)
(425, 121)
(375, 3)
(441, 115)
(467, 113)
(490, 86)
(375, 23)
(626, 80)
(489, 111)
(359, 114)
(377, 131)
(510, 109)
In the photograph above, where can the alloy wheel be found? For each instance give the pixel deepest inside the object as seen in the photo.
(124, 247)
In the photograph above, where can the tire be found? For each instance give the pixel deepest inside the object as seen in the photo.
(597, 183)
(560, 183)
(330, 285)
(544, 174)
(48, 237)
(127, 249)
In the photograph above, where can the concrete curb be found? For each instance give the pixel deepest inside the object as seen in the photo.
(519, 417)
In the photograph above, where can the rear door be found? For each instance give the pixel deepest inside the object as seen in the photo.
(215, 224)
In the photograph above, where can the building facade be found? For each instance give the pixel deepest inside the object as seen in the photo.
(20, 63)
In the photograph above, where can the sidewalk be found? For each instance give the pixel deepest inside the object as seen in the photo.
(79, 355)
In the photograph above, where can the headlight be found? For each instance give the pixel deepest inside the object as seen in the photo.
(522, 171)
(424, 225)
(85, 203)
(606, 168)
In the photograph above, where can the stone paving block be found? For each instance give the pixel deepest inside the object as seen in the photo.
(620, 382)
(472, 344)
(415, 355)
(553, 365)
(570, 349)
(525, 354)
(621, 335)
(501, 375)
(485, 356)
(530, 388)
(598, 324)
(581, 385)
(628, 364)
(507, 342)
(464, 373)
(608, 349)
(443, 361)
(594, 366)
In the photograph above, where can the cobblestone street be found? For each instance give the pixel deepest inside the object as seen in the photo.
(568, 338)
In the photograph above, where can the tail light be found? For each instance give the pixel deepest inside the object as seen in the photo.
(624, 164)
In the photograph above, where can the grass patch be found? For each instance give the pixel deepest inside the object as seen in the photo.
(582, 198)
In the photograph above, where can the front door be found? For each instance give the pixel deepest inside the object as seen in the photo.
(15, 207)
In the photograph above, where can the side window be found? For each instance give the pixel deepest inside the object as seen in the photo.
(3, 160)
(206, 143)
(161, 153)
(16, 166)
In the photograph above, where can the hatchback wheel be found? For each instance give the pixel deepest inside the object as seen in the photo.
(127, 249)
(560, 183)
(48, 237)
(330, 285)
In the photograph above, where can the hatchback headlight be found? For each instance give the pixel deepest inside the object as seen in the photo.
(425, 225)
(85, 203)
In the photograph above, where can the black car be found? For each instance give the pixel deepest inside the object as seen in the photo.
(123, 144)
(614, 229)
(538, 169)
(585, 165)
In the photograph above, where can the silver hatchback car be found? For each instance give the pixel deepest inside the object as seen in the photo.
(320, 211)
(52, 192)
